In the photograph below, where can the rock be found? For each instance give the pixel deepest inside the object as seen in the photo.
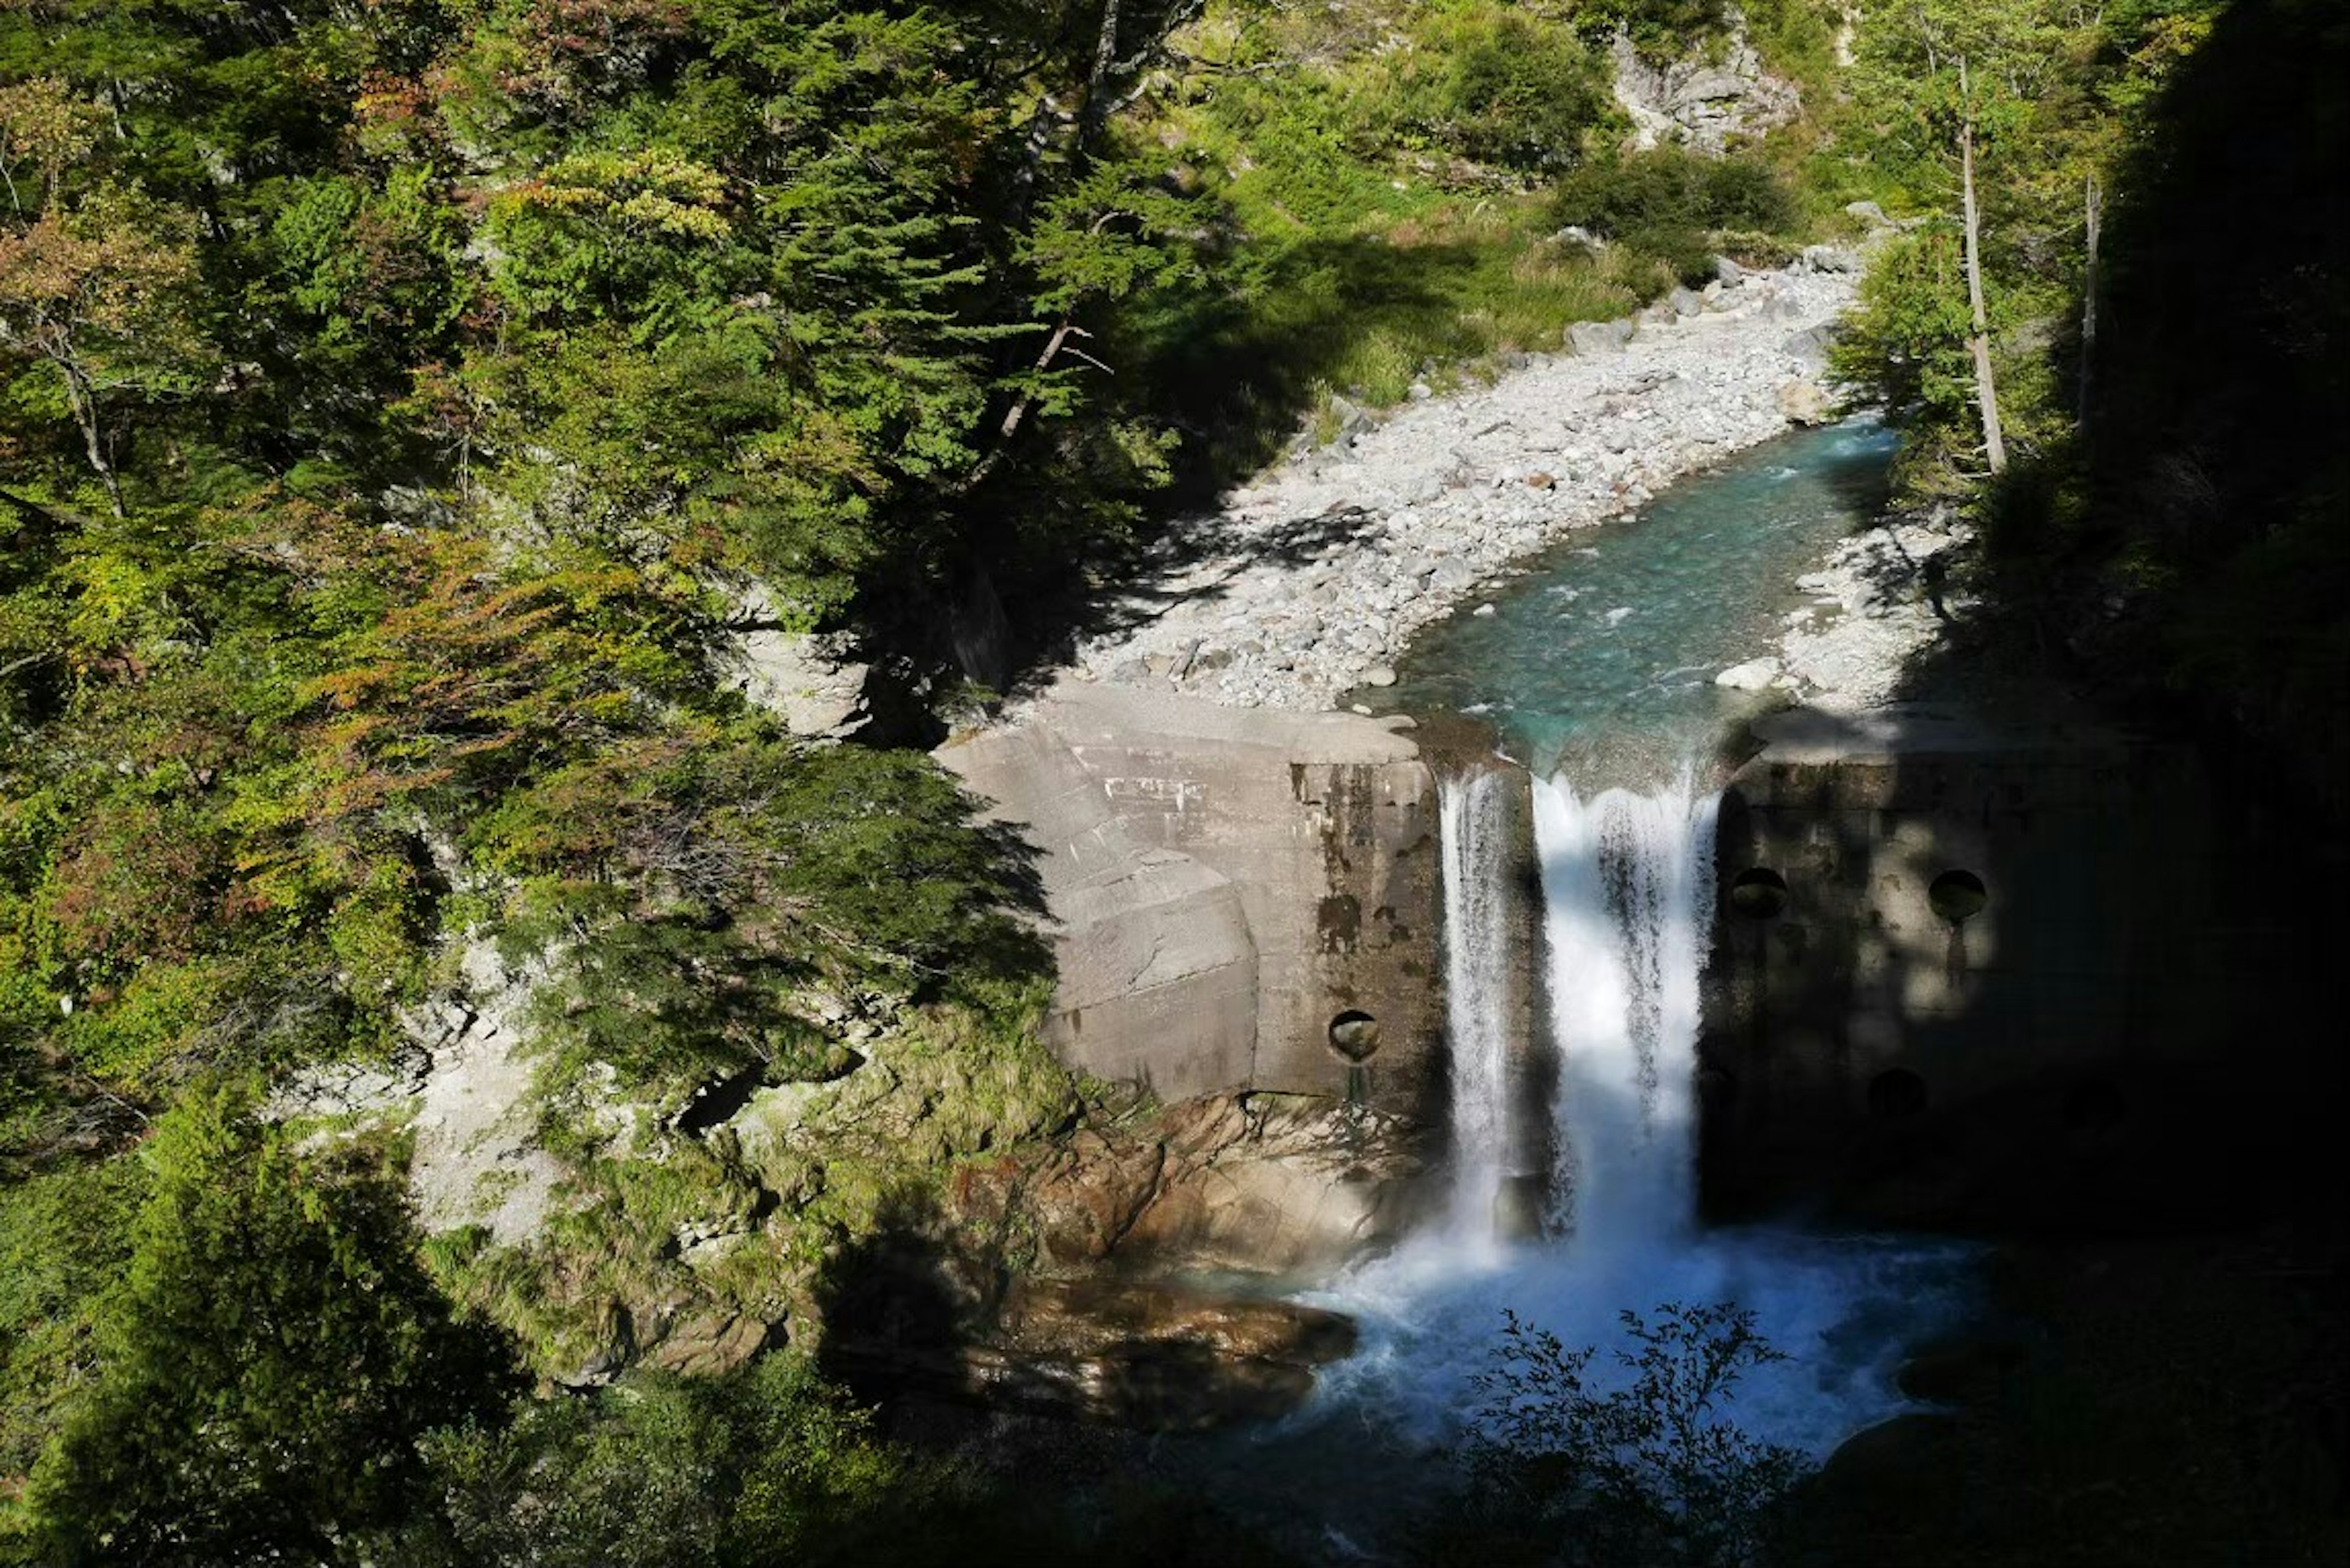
(1352, 421)
(811, 680)
(1378, 675)
(1728, 272)
(1812, 344)
(1829, 258)
(1755, 675)
(1806, 403)
(1869, 212)
(1964, 1372)
(1891, 1471)
(1704, 101)
(1519, 1206)
(1086, 1197)
(1483, 611)
(1686, 302)
(1576, 235)
(709, 1343)
(1288, 1185)
(1598, 336)
(1539, 480)
(1154, 1357)
(476, 1158)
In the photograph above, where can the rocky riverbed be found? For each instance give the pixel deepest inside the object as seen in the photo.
(1312, 579)
(1878, 602)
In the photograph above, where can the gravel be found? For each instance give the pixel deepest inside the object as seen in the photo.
(1317, 572)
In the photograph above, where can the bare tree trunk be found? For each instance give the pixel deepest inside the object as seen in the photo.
(1994, 444)
(2095, 201)
(1096, 113)
(83, 399)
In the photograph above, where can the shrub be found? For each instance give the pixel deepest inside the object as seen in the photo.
(1646, 1473)
(1523, 96)
(1668, 202)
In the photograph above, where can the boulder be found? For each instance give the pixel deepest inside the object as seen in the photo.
(1287, 1185)
(1970, 1372)
(1154, 1357)
(709, 1343)
(1598, 336)
(1754, 675)
(1686, 301)
(1829, 258)
(1806, 403)
(1811, 344)
(811, 680)
(1085, 1200)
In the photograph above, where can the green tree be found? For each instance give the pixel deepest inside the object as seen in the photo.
(267, 1365)
(765, 1466)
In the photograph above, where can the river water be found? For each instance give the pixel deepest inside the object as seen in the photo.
(1599, 656)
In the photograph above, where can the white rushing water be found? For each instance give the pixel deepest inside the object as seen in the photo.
(1628, 892)
(1628, 897)
(1475, 824)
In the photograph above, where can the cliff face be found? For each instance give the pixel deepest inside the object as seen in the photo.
(1707, 101)
(1244, 899)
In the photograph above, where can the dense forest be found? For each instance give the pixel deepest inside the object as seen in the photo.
(406, 406)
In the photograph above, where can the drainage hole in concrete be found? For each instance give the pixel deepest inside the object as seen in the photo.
(1957, 896)
(1355, 1034)
(1758, 893)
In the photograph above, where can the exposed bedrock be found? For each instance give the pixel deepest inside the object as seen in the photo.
(1241, 898)
(1066, 1279)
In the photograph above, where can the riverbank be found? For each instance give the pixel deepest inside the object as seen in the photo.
(1880, 602)
(1312, 579)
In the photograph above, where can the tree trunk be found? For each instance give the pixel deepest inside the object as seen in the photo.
(2095, 200)
(1094, 116)
(1994, 445)
(83, 399)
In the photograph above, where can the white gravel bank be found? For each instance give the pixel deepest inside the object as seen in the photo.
(1313, 578)
(1880, 600)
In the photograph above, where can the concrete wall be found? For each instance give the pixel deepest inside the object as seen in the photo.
(1930, 1068)
(1225, 882)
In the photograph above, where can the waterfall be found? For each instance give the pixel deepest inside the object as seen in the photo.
(1628, 890)
(1627, 897)
(1476, 829)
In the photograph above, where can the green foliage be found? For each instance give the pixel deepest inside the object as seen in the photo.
(2051, 94)
(1660, 29)
(267, 1363)
(65, 1234)
(1671, 203)
(1517, 92)
(1647, 1472)
(767, 1466)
